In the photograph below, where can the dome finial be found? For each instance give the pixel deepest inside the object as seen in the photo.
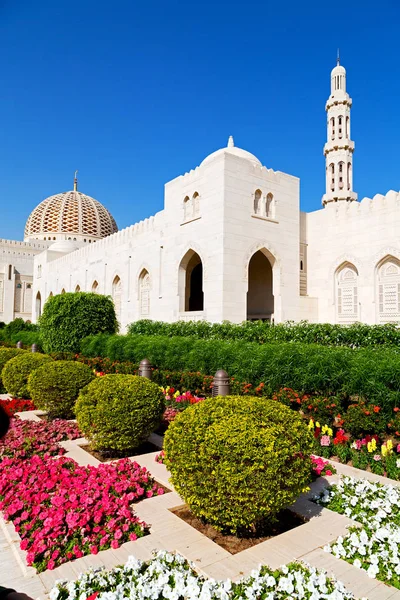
(231, 143)
(338, 57)
(76, 182)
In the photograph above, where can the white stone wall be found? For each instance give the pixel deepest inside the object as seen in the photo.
(16, 269)
(360, 234)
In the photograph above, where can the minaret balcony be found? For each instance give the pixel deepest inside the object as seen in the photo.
(336, 145)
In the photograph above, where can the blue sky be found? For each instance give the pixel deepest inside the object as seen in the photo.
(134, 94)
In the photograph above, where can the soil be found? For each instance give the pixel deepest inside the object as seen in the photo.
(109, 455)
(286, 520)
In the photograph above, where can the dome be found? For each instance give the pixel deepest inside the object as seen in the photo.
(232, 149)
(64, 246)
(70, 215)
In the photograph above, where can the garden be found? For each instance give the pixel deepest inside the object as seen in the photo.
(309, 430)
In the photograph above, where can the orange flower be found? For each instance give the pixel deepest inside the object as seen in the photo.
(377, 409)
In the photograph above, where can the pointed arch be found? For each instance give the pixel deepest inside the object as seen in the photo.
(144, 294)
(346, 293)
(190, 282)
(117, 295)
(77, 288)
(270, 206)
(257, 202)
(63, 291)
(260, 291)
(388, 289)
(38, 305)
(187, 208)
(196, 204)
(95, 287)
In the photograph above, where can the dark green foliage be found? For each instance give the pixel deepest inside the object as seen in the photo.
(118, 412)
(238, 460)
(2, 324)
(7, 354)
(17, 326)
(67, 318)
(55, 387)
(17, 370)
(27, 338)
(373, 374)
(354, 336)
(362, 419)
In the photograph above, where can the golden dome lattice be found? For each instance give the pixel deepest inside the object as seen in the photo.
(70, 213)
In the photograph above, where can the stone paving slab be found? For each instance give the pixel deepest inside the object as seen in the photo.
(169, 532)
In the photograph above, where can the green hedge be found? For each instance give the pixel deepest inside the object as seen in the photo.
(308, 368)
(16, 372)
(67, 318)
(358, 335)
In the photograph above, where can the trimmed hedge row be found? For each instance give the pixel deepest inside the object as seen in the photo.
(309, 368)
(355, 336)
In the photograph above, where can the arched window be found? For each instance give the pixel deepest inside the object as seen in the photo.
(332, 128)
(144, 294)
(187, 208)
(347, 127)
(78, 288)
(332, 170)
(389, 290)
(257, 202)
(196, 204)
(347, 294)
(349, 176)
(341, 173)
(38, 305)
(63, 291)
(95, 287)
(51, 295)
(28, 286)
(269, 208)
(117, 295)
(340, 127)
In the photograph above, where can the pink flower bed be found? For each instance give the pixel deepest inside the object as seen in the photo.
(26, 438)
(322, 467)
(63, 511)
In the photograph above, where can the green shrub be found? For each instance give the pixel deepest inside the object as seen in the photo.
(238, 460)
(373, 374)
(27, 338)
(362, 419)
(7, 354)
(55, 387)
(118, 412)
(357, 335)
(67, 318)
(17, 370)
(18, 325)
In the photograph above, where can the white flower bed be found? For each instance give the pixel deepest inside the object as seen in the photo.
(171, 577)
(375, 548)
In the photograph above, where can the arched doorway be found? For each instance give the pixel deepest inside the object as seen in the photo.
(191, 293)
(38, 305)
(260, 296)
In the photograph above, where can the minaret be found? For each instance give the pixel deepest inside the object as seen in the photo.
(76, 182)
(339, 148)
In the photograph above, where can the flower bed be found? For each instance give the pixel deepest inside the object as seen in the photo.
(375, 547)
(63, 511)
(15, 405)
(28, 438)
(171, 576)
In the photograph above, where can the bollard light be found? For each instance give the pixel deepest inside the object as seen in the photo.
(145, 368)
(19, 344)
(221, 385)
(34, 348)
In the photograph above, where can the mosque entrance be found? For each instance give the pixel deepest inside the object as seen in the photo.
(260, 297)
(191, 283)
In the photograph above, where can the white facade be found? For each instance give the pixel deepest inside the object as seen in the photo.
(231, 244)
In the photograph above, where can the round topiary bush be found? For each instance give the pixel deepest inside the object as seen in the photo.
(237, 460)
(7, 354)
(55, 387)
(68, 318)
(118, 412)
(17, 370)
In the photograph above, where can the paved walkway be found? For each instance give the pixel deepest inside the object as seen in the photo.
(169, 532)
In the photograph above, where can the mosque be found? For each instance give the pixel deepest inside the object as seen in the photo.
(230, 244)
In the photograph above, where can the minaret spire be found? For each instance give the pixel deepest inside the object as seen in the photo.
(76, 182)
(338, 57)
(339, 148)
